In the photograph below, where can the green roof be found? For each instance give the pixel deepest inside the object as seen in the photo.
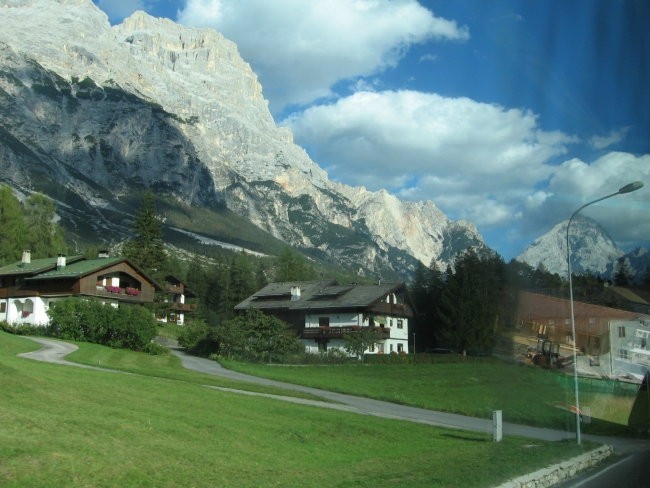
(35, 266)
(77, 269)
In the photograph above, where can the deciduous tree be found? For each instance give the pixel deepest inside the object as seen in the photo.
(357, 342)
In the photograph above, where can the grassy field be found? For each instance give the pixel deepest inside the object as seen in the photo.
(66, 426)
(476, 387)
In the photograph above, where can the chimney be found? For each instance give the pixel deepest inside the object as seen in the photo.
(60, 261)
(27, 257)
(103, 254)
(295, 293)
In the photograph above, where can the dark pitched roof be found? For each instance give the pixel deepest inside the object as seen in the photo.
(318, 295)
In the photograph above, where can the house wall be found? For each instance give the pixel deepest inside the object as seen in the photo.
(630, 351)
(120, 275)
(550, 317)
(398, 341)
(32, 310)
(25, 310)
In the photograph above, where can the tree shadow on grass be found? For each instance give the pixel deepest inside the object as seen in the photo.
(468, 436)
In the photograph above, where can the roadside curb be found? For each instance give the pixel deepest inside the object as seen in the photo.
(563, 471)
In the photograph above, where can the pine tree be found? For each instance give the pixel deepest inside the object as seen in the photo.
(147, 249)
(470, 302)
(622, 274)
(292, 267)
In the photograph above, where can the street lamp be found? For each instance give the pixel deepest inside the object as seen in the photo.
(626, 189)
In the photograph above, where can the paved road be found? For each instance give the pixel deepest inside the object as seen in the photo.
(391, 410)
(54, 352)
(630, 449)
(631, 471)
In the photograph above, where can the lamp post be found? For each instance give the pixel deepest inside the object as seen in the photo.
(626, 189)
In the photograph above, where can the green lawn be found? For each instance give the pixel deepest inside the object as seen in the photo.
(475, 387)
(66, 426)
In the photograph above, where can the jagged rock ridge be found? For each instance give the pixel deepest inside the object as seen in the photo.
(592, 251)
(100, 111)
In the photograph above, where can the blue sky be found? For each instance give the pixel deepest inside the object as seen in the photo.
(506, 113)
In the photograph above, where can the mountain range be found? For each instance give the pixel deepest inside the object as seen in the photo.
(592, 251)
(93, 114)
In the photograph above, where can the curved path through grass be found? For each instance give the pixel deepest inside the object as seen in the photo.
(54, 351)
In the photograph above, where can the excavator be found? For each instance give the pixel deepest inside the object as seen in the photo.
(547, 355)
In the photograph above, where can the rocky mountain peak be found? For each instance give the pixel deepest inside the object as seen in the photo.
(592, 249)
(105, 111)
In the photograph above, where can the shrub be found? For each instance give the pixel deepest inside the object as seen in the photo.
(155, 349)
(197, 337)
(25, 329)
(129, 327)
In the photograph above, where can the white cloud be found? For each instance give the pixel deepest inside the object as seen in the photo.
(455, 151)
(576, 182)
(614, 137)
(300, 49)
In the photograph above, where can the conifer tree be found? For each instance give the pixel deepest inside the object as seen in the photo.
(147, 249)
(469, 305)
(293, 267)
(622, 273)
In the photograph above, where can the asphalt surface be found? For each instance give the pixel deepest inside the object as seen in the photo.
(632, 449)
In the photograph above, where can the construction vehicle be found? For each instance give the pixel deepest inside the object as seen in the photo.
(547, 355)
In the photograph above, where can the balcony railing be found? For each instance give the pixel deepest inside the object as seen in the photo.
(399, 309)
(116, 290)
(339, 332)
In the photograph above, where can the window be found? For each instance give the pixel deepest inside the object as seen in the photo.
(400, 324)
(622, 353)
(621, 331)
(323, 321)
(400, 347)
(3, 307)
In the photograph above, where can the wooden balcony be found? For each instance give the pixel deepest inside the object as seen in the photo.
(394, 309)
(121, 293)
(340, 332)
(174, 289)
(183, 307)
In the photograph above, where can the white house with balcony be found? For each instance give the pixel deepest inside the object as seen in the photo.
(323, 313)
(28, 287)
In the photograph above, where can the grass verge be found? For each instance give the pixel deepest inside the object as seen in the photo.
(66, 426)
(526, 395)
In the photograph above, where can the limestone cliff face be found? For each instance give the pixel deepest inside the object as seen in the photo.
(149, 103)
